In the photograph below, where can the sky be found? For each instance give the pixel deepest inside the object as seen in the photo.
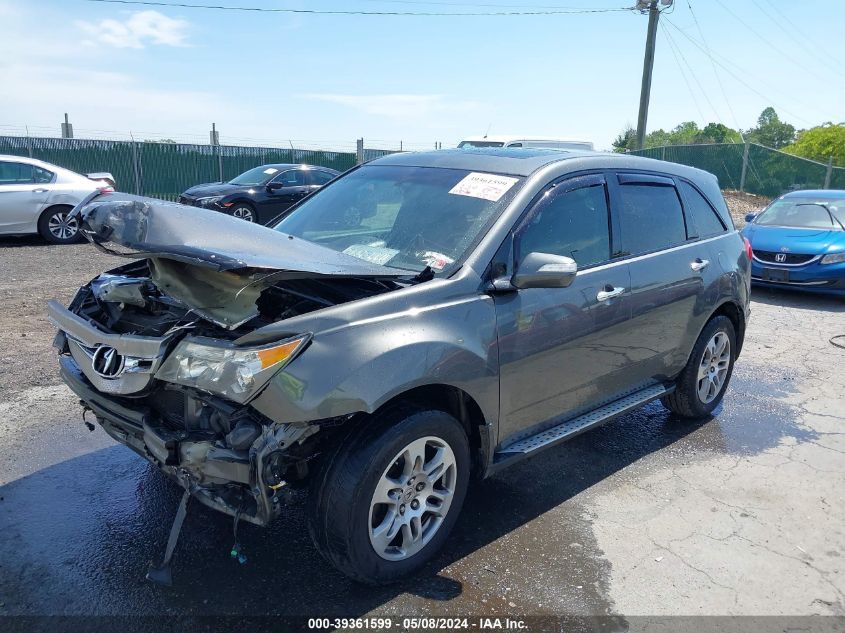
(325, 80)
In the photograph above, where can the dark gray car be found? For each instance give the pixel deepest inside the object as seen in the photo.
(484, 305)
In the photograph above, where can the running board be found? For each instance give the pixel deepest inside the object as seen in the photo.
(569, 429)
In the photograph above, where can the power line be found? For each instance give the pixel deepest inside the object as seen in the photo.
(742, 81)
(473, 4)
(713, 65)
(677, 54)
(221, 7)
(768, 42)
(824, 57)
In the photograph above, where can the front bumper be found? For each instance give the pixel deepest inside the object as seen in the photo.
(811, 277)
(240, 483)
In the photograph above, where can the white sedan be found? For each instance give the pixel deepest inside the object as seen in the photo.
(36, 197)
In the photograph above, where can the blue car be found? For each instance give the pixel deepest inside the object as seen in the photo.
(798, 242)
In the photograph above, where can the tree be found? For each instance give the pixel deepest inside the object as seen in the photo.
(684, 133)
(718, 133)
(771, 131)
(626, 141)
(820, 143)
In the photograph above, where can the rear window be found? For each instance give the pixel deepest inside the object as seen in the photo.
(703, 218)
(650, 218)
(480, 144)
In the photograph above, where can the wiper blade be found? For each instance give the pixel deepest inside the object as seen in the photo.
(824, 205)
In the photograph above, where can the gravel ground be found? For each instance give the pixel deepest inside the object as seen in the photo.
(740, 204)
(741, 514)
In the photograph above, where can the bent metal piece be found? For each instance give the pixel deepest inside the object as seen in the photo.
(161, 574)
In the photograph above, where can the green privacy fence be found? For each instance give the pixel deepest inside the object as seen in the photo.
(164, 170)
(753, 168)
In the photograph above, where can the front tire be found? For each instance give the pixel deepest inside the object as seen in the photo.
(243, 211)
(388, 496)
(56, 227)
(701, 386)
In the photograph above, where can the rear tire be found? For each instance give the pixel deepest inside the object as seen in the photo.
(55, 227)
(387, 497)
(701, 386)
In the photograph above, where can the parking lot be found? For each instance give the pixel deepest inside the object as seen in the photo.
(741, 514)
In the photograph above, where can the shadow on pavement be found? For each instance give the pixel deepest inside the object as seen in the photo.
(77, 536)
(797, 299)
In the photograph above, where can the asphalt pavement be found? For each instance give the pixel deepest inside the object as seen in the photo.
(740, 514)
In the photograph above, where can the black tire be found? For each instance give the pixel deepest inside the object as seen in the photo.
(686, 401)
(244, 211)
(340, 502)
(53, 224)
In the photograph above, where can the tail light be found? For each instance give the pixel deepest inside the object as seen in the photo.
(748, 250)
(106, 189)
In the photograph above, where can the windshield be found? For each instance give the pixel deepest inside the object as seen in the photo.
(256, 176)
(403, 217)
(480, 144)
(809, 213)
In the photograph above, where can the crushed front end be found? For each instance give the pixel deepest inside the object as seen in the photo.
(138, 373)
(151, 349)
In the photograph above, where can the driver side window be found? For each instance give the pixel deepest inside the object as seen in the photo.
(569, 220)
(291, 178)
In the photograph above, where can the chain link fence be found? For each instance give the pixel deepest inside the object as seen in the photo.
(164, 170)
(753, 168)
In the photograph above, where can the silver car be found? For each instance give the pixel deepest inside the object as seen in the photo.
(37, 197)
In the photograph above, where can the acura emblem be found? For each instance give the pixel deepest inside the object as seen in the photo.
(780, 258)
(107, 362)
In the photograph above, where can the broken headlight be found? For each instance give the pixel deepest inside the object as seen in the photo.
(219, 367)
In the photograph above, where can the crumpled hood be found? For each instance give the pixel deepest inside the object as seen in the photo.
(797, 240)
(158, 229)
(214, 189)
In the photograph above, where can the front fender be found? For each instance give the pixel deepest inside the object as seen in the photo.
(363, 365)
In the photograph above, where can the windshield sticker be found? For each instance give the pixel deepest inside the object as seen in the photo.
(373, 254)
(486, 186)
(438, 261)
(270, 170)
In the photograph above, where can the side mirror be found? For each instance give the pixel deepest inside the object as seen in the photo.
(274, 186)
(749, 217)
(543, 270)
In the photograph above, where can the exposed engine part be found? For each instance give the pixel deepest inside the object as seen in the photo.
(122, 289)
(243, 435)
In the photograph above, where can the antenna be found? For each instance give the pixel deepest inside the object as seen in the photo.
(489, 125)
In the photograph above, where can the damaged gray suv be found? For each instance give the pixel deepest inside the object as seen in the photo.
(421, 319)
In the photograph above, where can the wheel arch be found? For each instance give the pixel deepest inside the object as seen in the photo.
(736, 314)
(459, 404)
(52, 207)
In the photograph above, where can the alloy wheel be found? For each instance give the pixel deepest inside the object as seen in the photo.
(713, 368)
(62, 226)
(244, 213)
(412, 498)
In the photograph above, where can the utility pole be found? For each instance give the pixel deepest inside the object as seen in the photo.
(648, 63)
(67, 128)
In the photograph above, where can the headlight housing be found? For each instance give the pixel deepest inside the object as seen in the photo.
(207, 202)
(833, 258)
(218, 366)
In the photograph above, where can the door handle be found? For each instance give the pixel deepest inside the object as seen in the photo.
(40, 190)
(699, 264)
(609, 292)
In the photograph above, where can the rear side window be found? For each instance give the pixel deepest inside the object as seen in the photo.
(704, 222)
(571, 222)
(321, 177)
(650, 218)
(16, 173)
